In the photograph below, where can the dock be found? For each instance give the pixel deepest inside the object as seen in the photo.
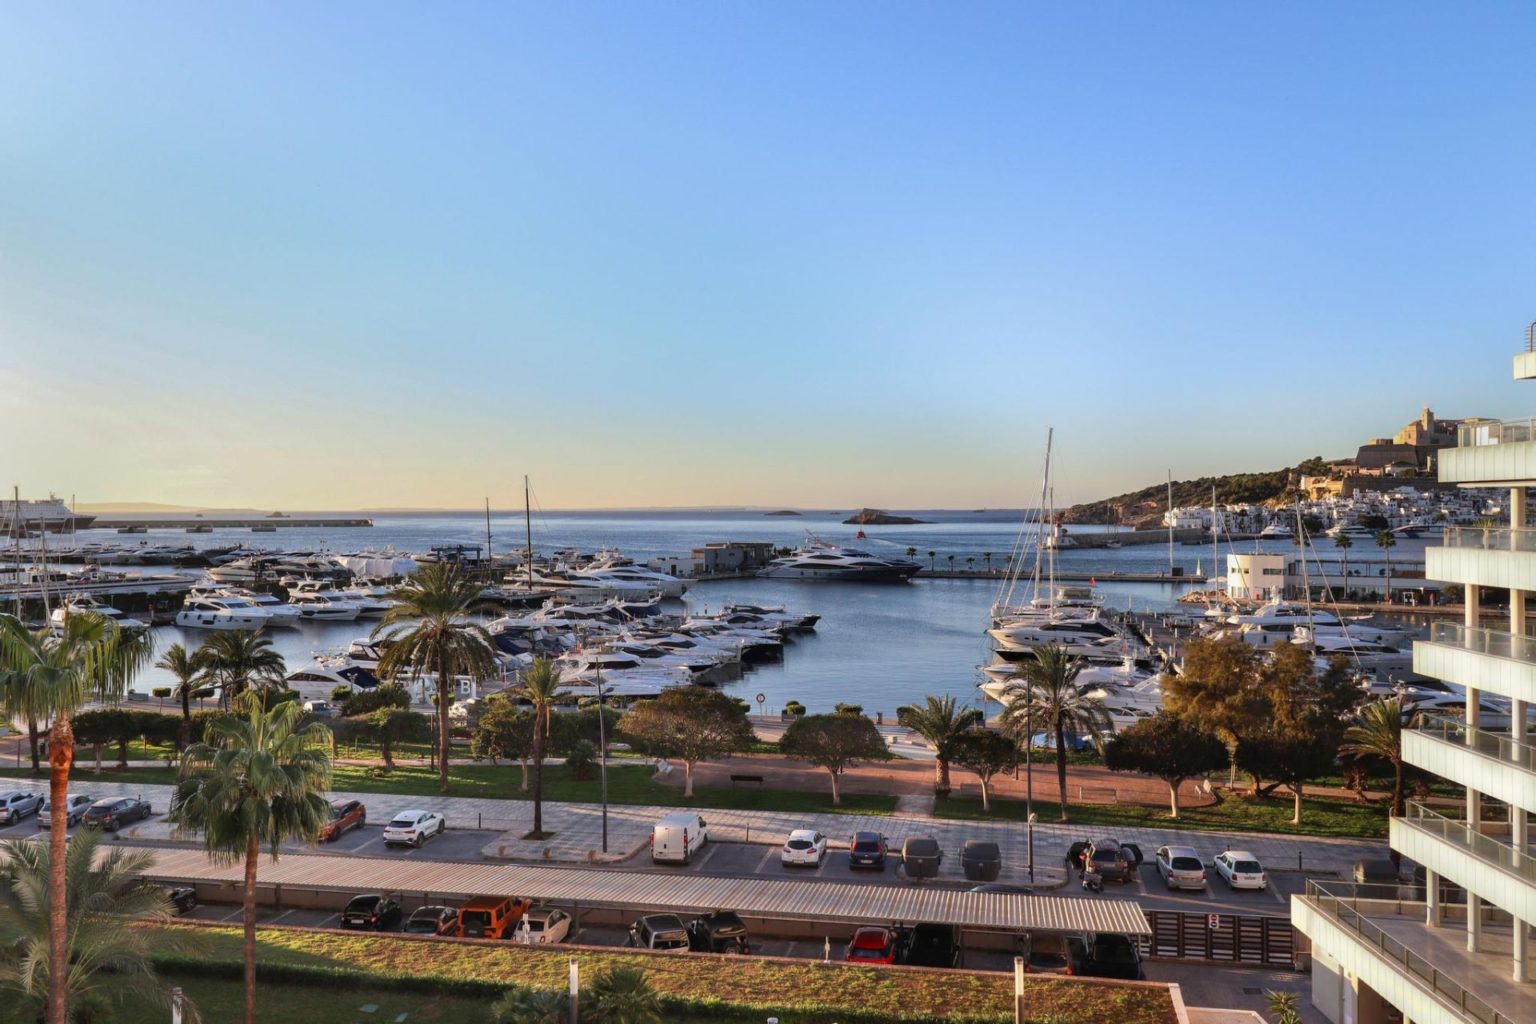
(284, 522)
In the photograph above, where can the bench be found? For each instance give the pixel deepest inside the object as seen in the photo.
(746, 778)
(1107, 794)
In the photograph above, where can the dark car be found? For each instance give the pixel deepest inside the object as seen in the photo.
(982, 860)
(115, 812)
(866, 850)
(1106, 955)
(433, 921)
(659, 931)
(345, 814)
(182, 898)
(1112, 860)
(932, 945)
(921, 856)
(719, 932)
(372, 913)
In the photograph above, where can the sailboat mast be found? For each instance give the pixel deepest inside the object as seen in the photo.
(1215, 532)
(488, 530)
(528, 526)
(1170, 522)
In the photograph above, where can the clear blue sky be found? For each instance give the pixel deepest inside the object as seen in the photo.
(301, 255)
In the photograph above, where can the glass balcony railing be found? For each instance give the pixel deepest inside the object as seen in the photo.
(1484, 641)
(1354, 914)
(1479, 538)
(1472, 435)
(1489, 744)
(1486, 849)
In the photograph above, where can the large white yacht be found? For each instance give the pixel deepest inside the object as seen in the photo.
(222, 612)
(85, 603)
(614, 566)
(1281, 612)
(322, 606)
(818, 561)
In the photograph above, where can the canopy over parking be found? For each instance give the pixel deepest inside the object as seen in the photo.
(594, 888)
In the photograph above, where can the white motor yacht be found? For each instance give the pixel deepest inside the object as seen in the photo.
(1070, 631)
(1293, 612)
(279, 612)
(85, 603)
(222, 612)
(612, 566)
(1276, 531)
(819, 561)
(775, 613)
(324, 606)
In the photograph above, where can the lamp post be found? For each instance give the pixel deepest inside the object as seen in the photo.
(1029, 782)
(602, 752)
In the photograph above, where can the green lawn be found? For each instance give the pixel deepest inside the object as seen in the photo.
(219, 1001)
(1320, 816)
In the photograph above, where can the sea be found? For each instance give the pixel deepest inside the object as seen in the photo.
(877, 646)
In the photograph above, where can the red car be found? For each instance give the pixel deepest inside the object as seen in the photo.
(345, 814)
(873, 946)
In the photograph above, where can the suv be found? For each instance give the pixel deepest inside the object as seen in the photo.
(16, 805)
(719, 932)
(345, 814)
(115, 812)
(1046, 953)
(1107, 955)
(491, 917)
(874, 945)
(659, 931)
(932, 945)
(372, 913)
(866, 850)
(1180, 867)
(1112, 861)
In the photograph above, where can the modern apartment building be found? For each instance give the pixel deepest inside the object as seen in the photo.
(1456, 947)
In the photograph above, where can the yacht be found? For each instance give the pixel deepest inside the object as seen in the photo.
(613, 566)
(1352, 531)
(322, 606)
(222, 612)
(792, 621)
(279, 612)
(1028, 632)
(368, 600)
(1293, 612)
(57, 617)
(818, 561)
(1276, 531)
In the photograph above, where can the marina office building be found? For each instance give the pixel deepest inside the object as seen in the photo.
(1456, 945)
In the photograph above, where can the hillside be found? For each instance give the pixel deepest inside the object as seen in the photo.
(1148, 504)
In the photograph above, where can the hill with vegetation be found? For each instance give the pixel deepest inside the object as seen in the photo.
(1137, 508)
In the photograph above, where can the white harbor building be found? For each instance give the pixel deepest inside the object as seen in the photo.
(1456, 946)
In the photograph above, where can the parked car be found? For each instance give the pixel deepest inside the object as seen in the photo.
(1180, 867)
(16, 805)
(75, 807)
(491, 917)
(1111, 860)
(874, 945)
(345, 815)
(412, 828)
(804, 846)
(866, 850)
(677, 837)
(921, 856)
(182, 898)
(659, 931)
(320, 708)
(982, 860)
(1106, 955)
(433, 920)
(542, 925)
(372, 913)
(1046, 953)
(1241, 869)
(932, 945)
(720, 932)
(115, 812)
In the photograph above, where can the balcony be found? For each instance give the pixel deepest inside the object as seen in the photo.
(1478, 862)
(1489, 762)
(1473, 555)
(1494, 662)
(1491, 452)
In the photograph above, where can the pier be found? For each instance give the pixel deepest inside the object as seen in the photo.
(226, 524)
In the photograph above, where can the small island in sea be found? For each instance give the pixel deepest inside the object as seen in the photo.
(782, 512)
(875, 517)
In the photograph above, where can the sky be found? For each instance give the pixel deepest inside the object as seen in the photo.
(350, 255)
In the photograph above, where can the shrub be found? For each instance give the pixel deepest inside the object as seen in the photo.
(794, 707)
(848, 709)
(160, 692)
(582, 759)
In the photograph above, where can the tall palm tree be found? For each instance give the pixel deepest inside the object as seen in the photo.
(191, 670)
(538, 688)
(48, 678)
(258, 778)
(241, 659)
(428, 632)
(1343, 543)
(109, 957)
(1387, 541)
(1378, 732)
(1047, 696)
(988, 556)
(941, 721)
(932, 561)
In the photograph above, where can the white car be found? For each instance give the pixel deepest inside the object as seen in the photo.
(15, 805)
(412, 828)
(320, 708)
(542, 925)
(804, 846)
(1241, 869)
(74, 810)
(1180, 867)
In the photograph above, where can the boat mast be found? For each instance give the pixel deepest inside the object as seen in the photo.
(16, 536)
(488, 531)
(1042, 537)
(1170, 522)
(528, 526)
(1215, 533)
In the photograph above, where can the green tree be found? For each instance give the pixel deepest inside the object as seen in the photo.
(1283, 1008)
(505, 730)
(94, 729)
(258, 778)
(1343, 543)
(110, 959)
(1219, 687)
(364, 702)
(389, 726)
(622, 995)
(539, 686)
(833, 742)
(241, 659)
(1045, 695)
(531, 1006)
(985, 753)
(428, 632)
(689, 723)
(1387, 541)
(1378, 732)
(942, 722)
(1302, 724)
(1169, 747)
(191, 671)
(48, 677)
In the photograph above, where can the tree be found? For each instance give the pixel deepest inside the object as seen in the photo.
(1343, 543)
(1047, 696)
(48, 678)
(988, 556)
(951, 559)
(241, 659)
(365, 702)
(911, 552)
(388, 726)
(986, 753)
(191, 672)
(942, 722)
(94, 729)
(689, 723)
(622, 995)
(505, 730)
(538, 687)
(1219, 687)
(1387, 541)
(110, 958)
(1169, 747)
(1378, 732)
(1302, 722)
(932, 562)
(258, 778)
(1290, 758)
(833, 742)
(531, 1006)
(428, 631)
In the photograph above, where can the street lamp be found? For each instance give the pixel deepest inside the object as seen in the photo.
(1029, 783)
(602, 751)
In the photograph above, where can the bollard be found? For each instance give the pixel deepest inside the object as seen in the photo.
(479, 820)
(1298, 861)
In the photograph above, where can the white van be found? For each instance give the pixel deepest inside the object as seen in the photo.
(677, 837)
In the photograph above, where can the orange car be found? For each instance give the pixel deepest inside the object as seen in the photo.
(491, 917)
(345, 814)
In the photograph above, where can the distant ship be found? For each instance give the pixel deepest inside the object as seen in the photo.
(28, 517)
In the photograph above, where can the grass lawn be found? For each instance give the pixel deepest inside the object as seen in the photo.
(1320, 816)
(219, 1000)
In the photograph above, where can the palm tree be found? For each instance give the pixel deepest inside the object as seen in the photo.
(1343, 543)
(240, 659)
(1048, 696)
(911, 552)
(932, 561)
(259, 777)
(1387, 541)
(941, 721)
(538, 688)
(48, 677)
(110, 958)
(1378, 732)
(622, 995)
(191, 671)
(531, 1006)
(439, 640)
(970, 563)
(988, 556)
(951, 562)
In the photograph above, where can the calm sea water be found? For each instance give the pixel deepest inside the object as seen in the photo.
(879, 646)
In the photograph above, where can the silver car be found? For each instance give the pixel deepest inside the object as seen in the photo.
(74, 809)
(1181, 867)
(15, 805)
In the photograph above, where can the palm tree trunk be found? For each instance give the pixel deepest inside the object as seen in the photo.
(252, 855)
(32, 734)
(61, 756)
(442, 726)
(941, 774)
(1061, 767)
(538, 771)
(385, 753)
(186, 717)
(524, 762)
(1296, 815)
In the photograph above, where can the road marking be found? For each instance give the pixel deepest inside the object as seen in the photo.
(233, 914)
(709, 851)
(279, 917)
(764, 862)
(1280, 897)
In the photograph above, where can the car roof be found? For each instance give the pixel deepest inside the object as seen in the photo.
(867, 837)
(871, 935)
(108, 801)
(374, 896)
(663, 922)
(1240, 855)
(485, 902)
(8, 794)
(435, 908)
(409, 814)
(1181, 851)
(804, 833)
(1106, 841)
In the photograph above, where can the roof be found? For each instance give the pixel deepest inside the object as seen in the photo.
(646, 892)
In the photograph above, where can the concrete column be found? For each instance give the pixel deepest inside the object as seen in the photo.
(1522, 951)
(1473, 605)
(1474, 922)
(1517, 507)
(1432, 912)
(1474, 709)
